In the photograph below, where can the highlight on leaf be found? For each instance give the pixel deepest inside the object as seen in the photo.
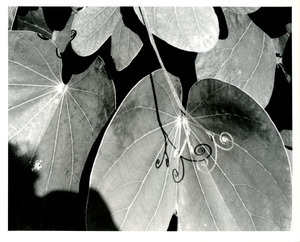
(53, 122)
(214, 166)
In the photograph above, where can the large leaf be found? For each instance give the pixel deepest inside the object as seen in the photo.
(93, 26)
(219, 166)
(187, 28)
(54, 123)
(246, 59)
(125, 45)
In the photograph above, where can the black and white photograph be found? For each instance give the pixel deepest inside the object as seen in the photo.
(150, 118)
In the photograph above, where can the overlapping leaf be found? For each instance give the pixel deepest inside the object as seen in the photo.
(187, 28)
(93, 26)
(34, 20)
(125, 45)
(219, 166)
(62, 38)
(246, 59)
(55, 124)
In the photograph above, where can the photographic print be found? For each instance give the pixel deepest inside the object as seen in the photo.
(150, 118)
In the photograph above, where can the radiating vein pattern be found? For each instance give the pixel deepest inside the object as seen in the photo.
(52, 122)
(250, 184)
(125, 170)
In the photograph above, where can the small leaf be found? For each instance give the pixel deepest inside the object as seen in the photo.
(246, 59)
(63, 37)
(187, 28)
(34, 20)
(242, 10)
(93, 26)
(219, 166)
(52, 122)
(287, 137)
(279, 45)
(125, 45)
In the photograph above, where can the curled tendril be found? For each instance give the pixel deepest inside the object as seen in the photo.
(203, 149)
(226, 141)
(159, 162)
(73, 34)
(175, 173)
(43, 37)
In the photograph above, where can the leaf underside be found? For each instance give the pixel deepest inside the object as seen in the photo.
(53, 123)
(245, 59)
(93, 26)
(242, 183)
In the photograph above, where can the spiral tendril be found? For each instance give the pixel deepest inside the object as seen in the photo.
(226, 139)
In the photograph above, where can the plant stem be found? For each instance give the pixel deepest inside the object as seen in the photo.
(178, 101)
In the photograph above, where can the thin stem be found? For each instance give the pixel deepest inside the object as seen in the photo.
(178, 101)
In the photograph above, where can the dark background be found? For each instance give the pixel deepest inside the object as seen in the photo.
(65, 210)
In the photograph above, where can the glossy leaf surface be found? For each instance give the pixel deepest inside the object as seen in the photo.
(125, 45)
(187, 28)
(55, 124)
(93, 26)
(220, 166)
(245, 59)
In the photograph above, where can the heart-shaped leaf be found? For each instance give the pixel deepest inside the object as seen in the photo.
(187, 28)
(125, 45)
(54, 123)
(93, 26)
(220, 165)
(242, 10)
(246, 59)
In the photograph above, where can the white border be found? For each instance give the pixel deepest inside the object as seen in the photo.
(292, 236)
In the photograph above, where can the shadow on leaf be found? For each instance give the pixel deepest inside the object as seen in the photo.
(58, 210)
